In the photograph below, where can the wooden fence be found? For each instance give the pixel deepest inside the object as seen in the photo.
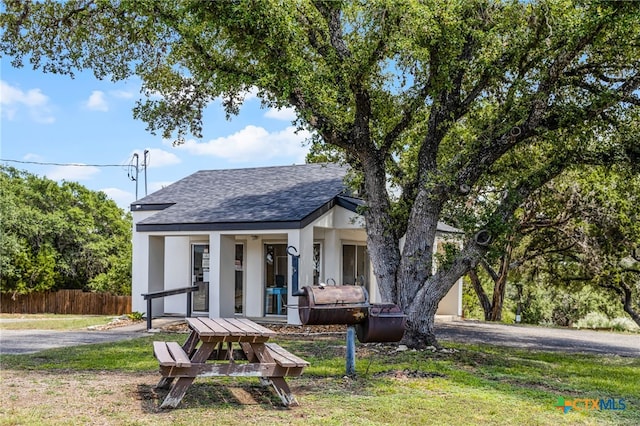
(65, 302)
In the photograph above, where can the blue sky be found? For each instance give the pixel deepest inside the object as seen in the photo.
(48, 118)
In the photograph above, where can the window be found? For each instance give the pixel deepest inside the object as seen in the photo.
(239, 267)
(355, 265)
(276, 263)
(317, 263)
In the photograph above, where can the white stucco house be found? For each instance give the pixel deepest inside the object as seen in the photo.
(227, 231)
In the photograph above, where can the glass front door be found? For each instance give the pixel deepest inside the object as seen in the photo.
(239, 293)
(276, 263)
(200, 261)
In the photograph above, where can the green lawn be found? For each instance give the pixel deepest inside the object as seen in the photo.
(466, 386)
(51, 321)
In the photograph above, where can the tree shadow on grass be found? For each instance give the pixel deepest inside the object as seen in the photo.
(211, 395)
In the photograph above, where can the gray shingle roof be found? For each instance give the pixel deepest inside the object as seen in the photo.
(282, 197)
(215, 199)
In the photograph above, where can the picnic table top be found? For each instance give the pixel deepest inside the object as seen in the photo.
(221, 327)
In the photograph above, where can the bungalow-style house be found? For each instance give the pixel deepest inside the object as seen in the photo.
(227, 232)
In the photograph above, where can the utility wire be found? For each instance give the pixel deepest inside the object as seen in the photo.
(62, 164)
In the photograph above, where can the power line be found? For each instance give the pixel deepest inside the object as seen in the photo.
(130, 167)
(62, 164)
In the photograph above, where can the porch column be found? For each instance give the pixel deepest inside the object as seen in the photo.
(139, 271)
(227, 273)
(177, 273)
(332, 256)
(214, 275)
(302, 240)
(222, 275)
(156, 272)
(253, 269)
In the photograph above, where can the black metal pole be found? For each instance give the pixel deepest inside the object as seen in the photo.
(149, 314)
(188, 305)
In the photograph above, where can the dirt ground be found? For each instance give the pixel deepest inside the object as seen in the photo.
(93, 398)
(106, 398)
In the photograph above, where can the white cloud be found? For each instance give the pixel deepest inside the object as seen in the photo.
(122, 198)
(97, 101)
(125, 198)
(286, 114)
(72, 173)
(253, 143)
(33, 157)
(156, 186)
(250, 94)
(121, 94)
(157, 158)
(37, 103)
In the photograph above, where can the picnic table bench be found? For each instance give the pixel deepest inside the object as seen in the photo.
(225, 347)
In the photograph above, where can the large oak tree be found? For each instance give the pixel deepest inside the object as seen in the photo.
(427, 101)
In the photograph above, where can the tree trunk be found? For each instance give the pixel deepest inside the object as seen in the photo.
(482, 295)
(382, 244)
(627, 300)
(499, 288)
(422, 309)
(500, 284)
(420, 331)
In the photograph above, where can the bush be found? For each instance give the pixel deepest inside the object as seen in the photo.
(624, 324)
(135, 316)
(594, 320)
(597, 320)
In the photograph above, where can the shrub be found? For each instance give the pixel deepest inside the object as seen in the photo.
(593, 320)
(135, 316)
(624, 324)
(597, 320)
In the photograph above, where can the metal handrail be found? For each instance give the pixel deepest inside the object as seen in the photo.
(157, 294)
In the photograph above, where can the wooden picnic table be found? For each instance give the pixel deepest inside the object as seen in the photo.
(225, 347)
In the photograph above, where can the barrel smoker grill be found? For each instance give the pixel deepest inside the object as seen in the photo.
(336, 304)
(347, 304)
(385, 323)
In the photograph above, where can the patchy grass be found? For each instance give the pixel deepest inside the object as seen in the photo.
(51, 321)
(468, 385)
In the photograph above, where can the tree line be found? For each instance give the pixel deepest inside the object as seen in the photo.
(574, 250)
(61, 236)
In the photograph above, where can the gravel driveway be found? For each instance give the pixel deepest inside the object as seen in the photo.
(540, 338)
(30, 341)
(523, 337)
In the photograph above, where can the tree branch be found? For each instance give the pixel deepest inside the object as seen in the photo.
(314, 35)
(482, 295)
(331, 14)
